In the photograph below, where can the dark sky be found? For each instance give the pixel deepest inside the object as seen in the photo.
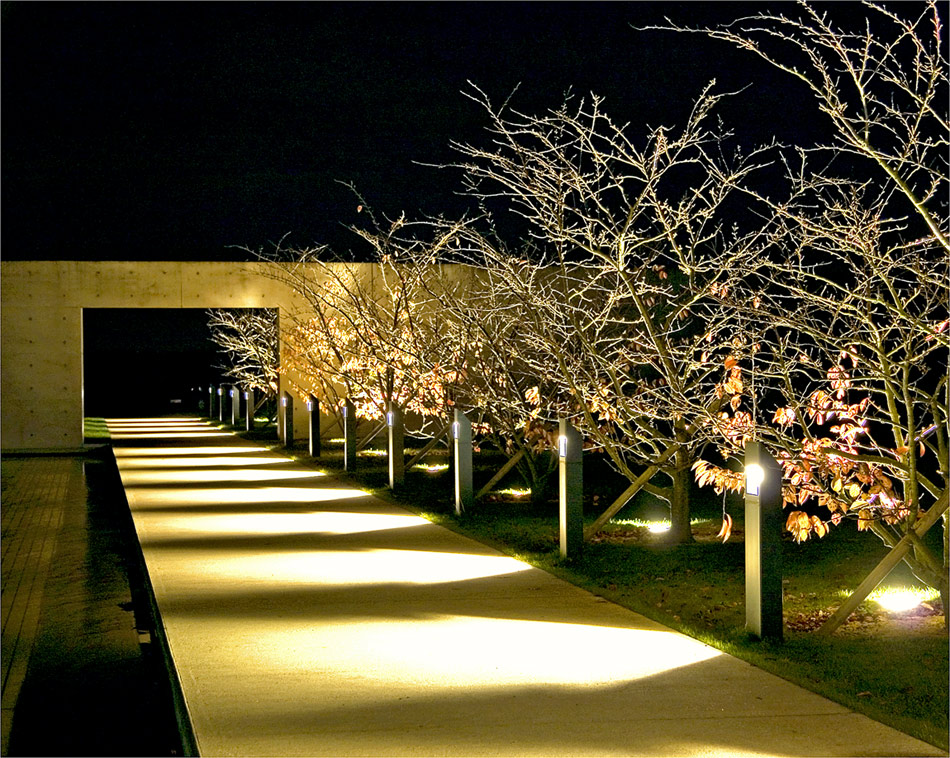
(144, 131)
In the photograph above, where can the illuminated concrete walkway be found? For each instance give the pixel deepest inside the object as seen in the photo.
(308, 618)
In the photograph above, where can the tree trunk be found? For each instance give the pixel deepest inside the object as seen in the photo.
(680, 531)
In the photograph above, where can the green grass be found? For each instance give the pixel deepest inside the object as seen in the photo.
(95, 430)
(892, 668)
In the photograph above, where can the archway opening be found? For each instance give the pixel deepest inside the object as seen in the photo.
(147, 361)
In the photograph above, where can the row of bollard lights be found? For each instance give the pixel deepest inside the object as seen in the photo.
(763, 492)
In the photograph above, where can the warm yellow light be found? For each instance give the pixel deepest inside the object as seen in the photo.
(498, 652)
(514, 492)
(138, 461)
(167, 434)
(900, 599)
(174, 496)
(315, 522)
(249, 453)
(431, 468)
(377, 567)
(132, 478)
(658, 527)
(754, 475)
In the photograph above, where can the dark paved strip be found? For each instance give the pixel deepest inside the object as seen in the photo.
(76, 681)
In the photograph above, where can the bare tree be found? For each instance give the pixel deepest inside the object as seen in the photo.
(627, 235)
(849, 298)
(249, 340)
(366, 333)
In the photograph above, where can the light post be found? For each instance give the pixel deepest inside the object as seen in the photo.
(397, 461)
(249, 409)
(570, 446)
(763, 543)
(313, 406)
(287, 414)
(235, 405)
(221, 404)
(462, 444)
(211, 396)
(349, 435)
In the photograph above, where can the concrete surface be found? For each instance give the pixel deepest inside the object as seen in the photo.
(41, 319)
(307, 618)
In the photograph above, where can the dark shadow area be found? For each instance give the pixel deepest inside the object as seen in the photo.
(144, 361)
(91, 689)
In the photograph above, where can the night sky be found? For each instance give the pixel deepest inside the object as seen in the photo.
(185, 131)
(176, 131)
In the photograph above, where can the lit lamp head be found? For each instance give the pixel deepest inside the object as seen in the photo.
(389, 418)
(309, 406)
(230, 393)
(455, 430)
(754, 474)
(220, 391)
(562, 446)
(245, 396)
(283, 402)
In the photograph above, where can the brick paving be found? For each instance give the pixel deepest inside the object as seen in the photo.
(75, 679)
(35, 493)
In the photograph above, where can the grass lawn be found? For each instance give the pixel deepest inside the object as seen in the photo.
(95, 430)
(891, 666)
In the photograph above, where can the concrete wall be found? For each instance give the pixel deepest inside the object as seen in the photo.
(41, 306)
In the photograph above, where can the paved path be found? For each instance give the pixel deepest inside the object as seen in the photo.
(308, 618)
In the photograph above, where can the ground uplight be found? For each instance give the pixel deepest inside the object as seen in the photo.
(901, 599)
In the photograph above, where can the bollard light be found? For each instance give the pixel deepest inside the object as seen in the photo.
(283, 402)
(245, 396)
(230, 393)
(570, 445)
(389, 418)
(763, 543)
(455, 430)
(754, 474)
(309, 406)
(220, 391)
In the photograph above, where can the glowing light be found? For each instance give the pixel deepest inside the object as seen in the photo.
(389, 418)
(316, 522)
(498, 652)
(900, 599)
(562, 446)
(190, 496)
(170, 434)
(431, 468)
(139, 461)
(513, 492)
(455, 430)
(131, 477)
(754, 474)
(658, 527)
(248, 454)
(362, 567)
(372, 453)
(337, 440)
